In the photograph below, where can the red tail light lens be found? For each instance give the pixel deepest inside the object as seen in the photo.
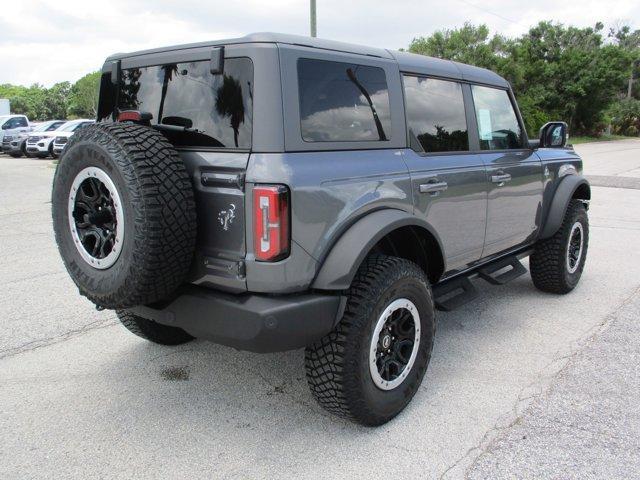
(271, 240)
(129, 116)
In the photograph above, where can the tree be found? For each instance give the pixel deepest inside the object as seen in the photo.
(83, 98)
(557, 72)
(55, 101)
(229, 103)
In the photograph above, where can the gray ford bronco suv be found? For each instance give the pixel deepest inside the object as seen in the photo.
(276, 192)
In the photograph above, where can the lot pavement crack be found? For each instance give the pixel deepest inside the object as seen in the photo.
(538, 388)
(45, 342)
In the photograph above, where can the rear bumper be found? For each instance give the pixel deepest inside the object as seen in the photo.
(258, 323)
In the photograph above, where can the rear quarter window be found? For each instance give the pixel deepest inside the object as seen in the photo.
(342, 102)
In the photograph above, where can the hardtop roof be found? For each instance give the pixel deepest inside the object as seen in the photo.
(407, 62)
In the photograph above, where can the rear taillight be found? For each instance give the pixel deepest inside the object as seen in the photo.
(129, 116)
(271, 222)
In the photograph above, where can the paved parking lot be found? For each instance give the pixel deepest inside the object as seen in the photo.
(521, 384)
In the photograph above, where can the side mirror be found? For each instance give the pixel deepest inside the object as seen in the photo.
(554, 135)
(5, 126)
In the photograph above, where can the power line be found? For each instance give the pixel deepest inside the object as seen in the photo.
(490, 12)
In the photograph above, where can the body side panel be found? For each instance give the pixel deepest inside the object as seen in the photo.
(330, 191)
(558, 164)
(458, 214)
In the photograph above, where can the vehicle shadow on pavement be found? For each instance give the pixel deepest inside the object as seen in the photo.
(220, 384)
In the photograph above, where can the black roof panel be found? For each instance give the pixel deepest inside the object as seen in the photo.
(408, 62)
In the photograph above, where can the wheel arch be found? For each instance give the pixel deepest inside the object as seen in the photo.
(390, 231)
(571, 187)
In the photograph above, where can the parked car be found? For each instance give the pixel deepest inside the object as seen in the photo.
(276, 192)
(63, 134)
(11, 125)
(16, 145)
(41, 144)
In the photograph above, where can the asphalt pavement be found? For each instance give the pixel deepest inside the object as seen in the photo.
(521, 384)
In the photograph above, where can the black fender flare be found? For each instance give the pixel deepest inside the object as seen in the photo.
(561, 198)
(346, 255)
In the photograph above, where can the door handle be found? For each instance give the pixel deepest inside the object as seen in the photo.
(501, 178)
(433, 187)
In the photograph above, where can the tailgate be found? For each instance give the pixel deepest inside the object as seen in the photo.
(218, 182)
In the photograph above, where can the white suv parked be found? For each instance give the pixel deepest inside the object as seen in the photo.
(64, 132)
(16, 144)
(12, 125)
(40, 144)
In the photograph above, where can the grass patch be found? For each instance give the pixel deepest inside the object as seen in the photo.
(603, 138)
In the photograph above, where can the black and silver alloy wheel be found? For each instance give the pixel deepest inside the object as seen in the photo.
(96, 218)
(574, 247)
(557, 262)
(124, 215)
(371, 365)
(394, 344)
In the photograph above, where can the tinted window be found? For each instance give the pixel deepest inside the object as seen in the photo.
(342, 102)
(498, 125)
(435, 114)
(79, 126)
(53, 126)
(107, 98)
(189, 105)
(16, 122)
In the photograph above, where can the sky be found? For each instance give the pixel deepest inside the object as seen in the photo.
(51, 41)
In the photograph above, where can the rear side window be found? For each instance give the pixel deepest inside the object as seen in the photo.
(342, 102)
(498, 126)
(189, 105)
(435, 114)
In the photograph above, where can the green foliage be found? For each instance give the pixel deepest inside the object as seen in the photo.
(57, 102)
(83, 98)
(625, 117)
(557, 72)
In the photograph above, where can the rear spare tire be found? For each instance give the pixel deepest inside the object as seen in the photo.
(123, 214)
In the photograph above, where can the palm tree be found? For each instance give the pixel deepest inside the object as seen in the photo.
(229, 103)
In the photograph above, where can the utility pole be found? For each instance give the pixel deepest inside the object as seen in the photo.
(634, 65)
(313, 18)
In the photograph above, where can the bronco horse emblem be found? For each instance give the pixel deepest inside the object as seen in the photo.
(226, 217)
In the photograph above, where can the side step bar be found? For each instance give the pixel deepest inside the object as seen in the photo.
(458, 291)
(517, 269)
(454, 293)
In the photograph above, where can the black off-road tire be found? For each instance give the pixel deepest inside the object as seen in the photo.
(153, 331)
(548, 263)
(337, 366)
(158, 210)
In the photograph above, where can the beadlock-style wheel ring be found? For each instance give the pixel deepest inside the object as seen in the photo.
(96, 218)
(575, 247)
(394, 344)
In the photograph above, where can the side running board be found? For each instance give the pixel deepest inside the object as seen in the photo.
(458, 291)
(454, 293)
(515, 270)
